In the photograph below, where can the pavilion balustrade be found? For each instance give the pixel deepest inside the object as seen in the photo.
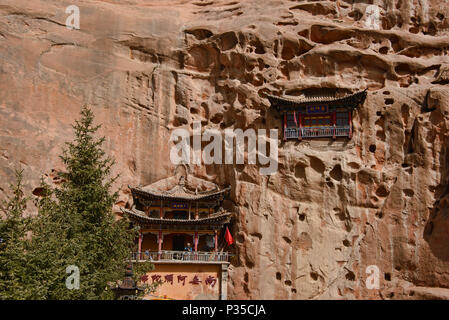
(165, 255)
(314, 132)
(291, 133)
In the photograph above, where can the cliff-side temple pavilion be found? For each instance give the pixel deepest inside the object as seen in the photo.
(317, 116)
(182, 225)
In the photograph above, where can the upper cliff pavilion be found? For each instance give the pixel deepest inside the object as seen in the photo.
(317, 115)
(182, 232)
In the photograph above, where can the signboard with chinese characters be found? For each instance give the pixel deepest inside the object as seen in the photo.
(179, 205)
(186, 281)
(317, 109)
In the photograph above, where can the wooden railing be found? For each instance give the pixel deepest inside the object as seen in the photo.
(315, 132)
(342, 131)
(198, 256)
(291, 133)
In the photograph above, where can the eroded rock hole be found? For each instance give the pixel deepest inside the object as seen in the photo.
(228, 41)
(257, 235)
(200, 34)
(379, 215)
(287, 239)
(384, 50)
(389, 101)
(350, 276)
(340, 214)
(382, 191)
(39, 191)
(300, 171)
(372, 148)
(317, 165)
(336, 173)
(354, 165)
(356, 14)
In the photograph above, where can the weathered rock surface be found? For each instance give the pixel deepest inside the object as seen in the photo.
(334, 207)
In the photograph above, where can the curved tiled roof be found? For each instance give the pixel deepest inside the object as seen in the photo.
(179, 193)
(182, 190)
(354, 98)
(219, 218)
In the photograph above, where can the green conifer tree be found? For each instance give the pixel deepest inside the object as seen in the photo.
(76, 225)
(14, 229)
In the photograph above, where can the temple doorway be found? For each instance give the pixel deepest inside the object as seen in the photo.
(178, 243)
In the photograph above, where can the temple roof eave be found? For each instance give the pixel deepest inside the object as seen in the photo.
(216, 219)
(288, 102)
(182, 196)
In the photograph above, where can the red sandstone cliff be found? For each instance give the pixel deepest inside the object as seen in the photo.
(333, 208)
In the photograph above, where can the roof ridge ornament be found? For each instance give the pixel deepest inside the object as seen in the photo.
(184, 166)
(182, 181)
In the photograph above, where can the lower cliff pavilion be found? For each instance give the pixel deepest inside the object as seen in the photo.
(174, 213)
(318, 115)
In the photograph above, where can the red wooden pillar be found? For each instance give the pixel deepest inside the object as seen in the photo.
(216, 241)
(285, 125)
(197, 212)
(350, 124)
(159, 244)
(161, 210)
(295, 119)
(190, 207)
(300, 125)
(334, 121)
(196, 241)
(139, 246)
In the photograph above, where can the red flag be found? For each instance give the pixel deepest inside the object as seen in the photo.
(228, 237)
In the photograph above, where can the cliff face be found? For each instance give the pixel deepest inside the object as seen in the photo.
(334, 207)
